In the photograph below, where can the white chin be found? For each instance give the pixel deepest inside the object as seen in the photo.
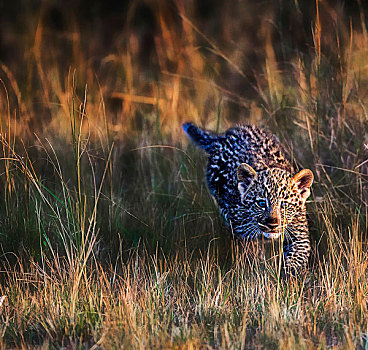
(271, 235)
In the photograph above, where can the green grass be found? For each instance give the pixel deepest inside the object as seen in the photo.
(108, 235)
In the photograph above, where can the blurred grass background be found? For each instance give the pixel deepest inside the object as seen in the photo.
(108, 234)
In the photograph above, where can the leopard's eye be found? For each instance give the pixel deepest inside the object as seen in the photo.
(283, 204)
(262, 203)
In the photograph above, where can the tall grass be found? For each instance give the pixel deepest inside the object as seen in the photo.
(108, 234)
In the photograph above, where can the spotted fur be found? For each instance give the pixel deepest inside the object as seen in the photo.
(251, 180)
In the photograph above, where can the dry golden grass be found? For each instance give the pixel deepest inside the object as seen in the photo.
(109, 237)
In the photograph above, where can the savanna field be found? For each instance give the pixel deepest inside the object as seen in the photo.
(109, 237)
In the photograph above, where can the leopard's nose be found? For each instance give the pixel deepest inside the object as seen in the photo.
(271, 222)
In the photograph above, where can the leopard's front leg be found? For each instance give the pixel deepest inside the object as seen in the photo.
(296, 251)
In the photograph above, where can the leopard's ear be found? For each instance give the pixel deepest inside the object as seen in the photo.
(246, 175)
(303, 181)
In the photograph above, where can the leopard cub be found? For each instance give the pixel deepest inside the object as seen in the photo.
(251, 180)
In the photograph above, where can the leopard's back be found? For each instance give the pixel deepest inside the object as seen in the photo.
(241, 144)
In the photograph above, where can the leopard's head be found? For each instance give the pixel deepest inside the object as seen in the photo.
(272, 199)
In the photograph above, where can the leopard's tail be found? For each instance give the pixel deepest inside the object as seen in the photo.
(203, 138)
